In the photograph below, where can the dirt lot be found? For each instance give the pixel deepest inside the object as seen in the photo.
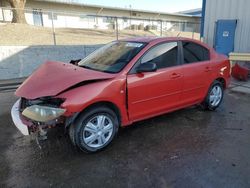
(19, 34)
(187, 148)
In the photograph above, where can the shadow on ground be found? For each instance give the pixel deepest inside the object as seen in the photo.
(187, 148)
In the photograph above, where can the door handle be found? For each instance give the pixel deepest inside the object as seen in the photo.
(208, 69)
(175, 75)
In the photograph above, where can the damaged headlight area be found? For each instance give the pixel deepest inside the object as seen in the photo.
(42, 109)
(42, 113)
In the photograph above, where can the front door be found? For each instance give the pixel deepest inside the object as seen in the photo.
(155, 92)
(224, 36)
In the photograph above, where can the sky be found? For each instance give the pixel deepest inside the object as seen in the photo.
(153, 5)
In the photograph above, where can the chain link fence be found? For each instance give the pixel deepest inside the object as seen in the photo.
(61, 28)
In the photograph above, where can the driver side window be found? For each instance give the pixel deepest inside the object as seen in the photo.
(163, 55)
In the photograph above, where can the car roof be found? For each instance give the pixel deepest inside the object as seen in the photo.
(142, 39)
(154, 39)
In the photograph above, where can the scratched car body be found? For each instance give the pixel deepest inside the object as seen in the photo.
(121, 83)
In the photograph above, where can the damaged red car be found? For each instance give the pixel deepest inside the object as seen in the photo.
(121, 83)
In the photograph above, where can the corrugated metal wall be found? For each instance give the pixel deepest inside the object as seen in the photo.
(229, 9)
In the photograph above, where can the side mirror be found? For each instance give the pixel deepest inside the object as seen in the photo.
(146, 67)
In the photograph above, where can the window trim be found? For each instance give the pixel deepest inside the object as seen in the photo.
(138, 62)
(182, 53)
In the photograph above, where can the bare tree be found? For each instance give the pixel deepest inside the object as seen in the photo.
(18, 10)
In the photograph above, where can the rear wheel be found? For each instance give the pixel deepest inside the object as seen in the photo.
(94, 129)
(214, 96)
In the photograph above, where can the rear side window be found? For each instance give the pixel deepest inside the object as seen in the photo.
(194, 53)
(163, 55)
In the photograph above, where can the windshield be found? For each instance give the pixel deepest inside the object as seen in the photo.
(112, 57)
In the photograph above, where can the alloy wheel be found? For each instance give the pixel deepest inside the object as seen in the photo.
(215, 95)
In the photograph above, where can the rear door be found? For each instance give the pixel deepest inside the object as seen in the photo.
(196, 71)
(152, 93)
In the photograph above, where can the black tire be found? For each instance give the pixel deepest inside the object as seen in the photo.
(77, 130)
(207, 104)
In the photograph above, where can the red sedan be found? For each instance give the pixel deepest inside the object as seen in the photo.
(123, 82)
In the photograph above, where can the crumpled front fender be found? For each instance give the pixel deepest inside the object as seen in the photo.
(113, 91)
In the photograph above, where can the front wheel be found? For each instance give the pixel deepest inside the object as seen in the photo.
(94, 129)
(214, 96)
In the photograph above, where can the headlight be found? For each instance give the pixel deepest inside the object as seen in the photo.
(42, 113)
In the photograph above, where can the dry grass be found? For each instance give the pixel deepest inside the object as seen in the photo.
(178, 34)
(19, 34)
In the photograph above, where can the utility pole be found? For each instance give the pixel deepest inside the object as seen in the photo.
(130, 15)
(53, 27)
(116, 27)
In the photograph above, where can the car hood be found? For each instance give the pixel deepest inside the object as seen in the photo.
(52, 78)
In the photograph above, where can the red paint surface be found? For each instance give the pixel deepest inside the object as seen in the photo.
(53, 77)
(137, 96)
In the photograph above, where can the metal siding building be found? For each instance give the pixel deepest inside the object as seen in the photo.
(215, 10)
